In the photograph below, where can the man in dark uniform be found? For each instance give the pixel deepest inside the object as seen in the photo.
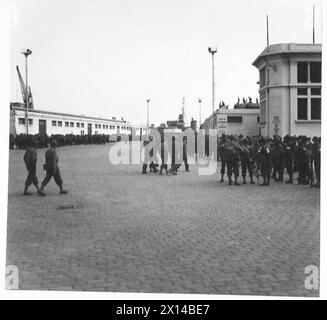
(289, 157)
(278, 152)
(52, 169)
(247, 160)
(187, 167)
(30, 159)
(303, 161)
(265, 161)
(232, 160)
(221, 155)
(316, 158)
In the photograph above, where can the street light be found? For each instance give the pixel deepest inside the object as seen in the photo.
(212, 52)
(200, 101)
(147, 115)
(26, 53)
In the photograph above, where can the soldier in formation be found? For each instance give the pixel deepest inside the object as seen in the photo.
(270, 158)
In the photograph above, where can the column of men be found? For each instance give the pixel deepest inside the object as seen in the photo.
(50, 166)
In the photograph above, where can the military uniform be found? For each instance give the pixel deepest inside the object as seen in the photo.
(278, 160)
(30, 159)
(289, 158)
(221, 155)
(265, 163)
(52, 169)
(316, 150)
(232, 160)
(247, 161)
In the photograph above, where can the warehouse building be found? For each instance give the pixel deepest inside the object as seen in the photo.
(48, 122)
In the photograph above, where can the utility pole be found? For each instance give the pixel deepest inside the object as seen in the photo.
(212, 52)
(26, 53)
(199, 100)
(147, 115)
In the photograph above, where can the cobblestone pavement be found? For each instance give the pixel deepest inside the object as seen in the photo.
(150, 233)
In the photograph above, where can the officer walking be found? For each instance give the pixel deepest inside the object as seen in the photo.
(52, 169)
(30, 159)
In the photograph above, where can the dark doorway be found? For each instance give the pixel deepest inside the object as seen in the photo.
(89, 128)
(42, 126)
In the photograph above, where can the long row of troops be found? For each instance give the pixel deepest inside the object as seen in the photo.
(267, 158)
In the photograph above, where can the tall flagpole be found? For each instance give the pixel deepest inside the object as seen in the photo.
(267, 31)
(313, 34)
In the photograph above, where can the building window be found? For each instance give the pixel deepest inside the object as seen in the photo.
(263, 107)
(21, 121)
(315, 108)
(77, 124)
(302, 109)
(233, 119)
(309, 104)
(72, 124)
(309, 72)
(262, 80)
(302, 72)
(66, 124)
(315, 72)
(59, 123)
(82, 125)
(54, 123)
(30, 122)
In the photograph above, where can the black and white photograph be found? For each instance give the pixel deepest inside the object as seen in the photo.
(164, 147)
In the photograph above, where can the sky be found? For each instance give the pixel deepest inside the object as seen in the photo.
(106, 58)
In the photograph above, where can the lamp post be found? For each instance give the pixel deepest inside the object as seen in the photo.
(147, 116)
(200, 101)
(26, 53)
(212, 52)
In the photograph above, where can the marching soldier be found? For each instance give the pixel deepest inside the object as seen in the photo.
(52, 169)
(30, 159)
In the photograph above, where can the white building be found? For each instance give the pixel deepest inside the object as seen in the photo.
(235, 121)
(48, 122)
(290, 89)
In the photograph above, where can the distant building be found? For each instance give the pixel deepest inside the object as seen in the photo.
(290, 89)
(243, 121)
(48, 122)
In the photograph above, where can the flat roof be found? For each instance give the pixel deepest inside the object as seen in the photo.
(289, 48)
(66, 114)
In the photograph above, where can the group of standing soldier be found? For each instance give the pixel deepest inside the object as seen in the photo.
(269, 158)
(253, 157)
(50, 166)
